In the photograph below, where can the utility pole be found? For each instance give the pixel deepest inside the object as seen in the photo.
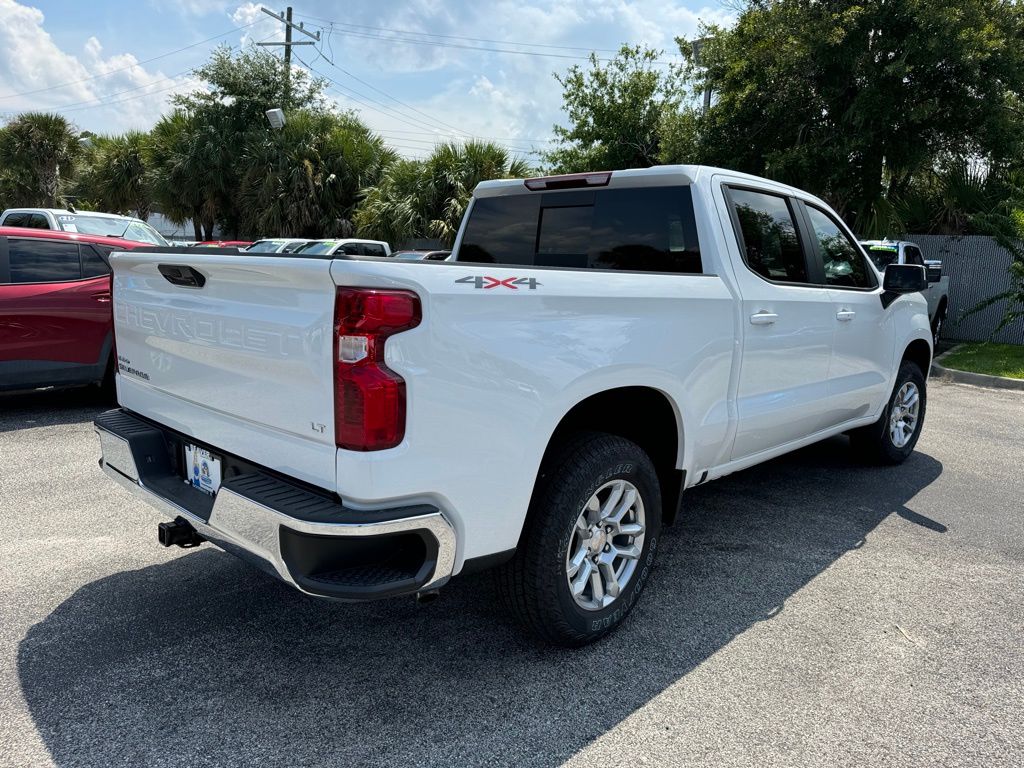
(286, 19)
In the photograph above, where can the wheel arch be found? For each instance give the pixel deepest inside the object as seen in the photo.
(642, 414)
(919, 352)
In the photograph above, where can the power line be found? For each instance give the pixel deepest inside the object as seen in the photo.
(347, 30)
(389, 96)
(130, 66)
(456, 37)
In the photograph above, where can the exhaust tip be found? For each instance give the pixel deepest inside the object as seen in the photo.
(427, 596)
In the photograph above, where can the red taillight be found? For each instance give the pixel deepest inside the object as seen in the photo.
(369, 398)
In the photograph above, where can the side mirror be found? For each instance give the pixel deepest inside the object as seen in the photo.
(904, 278)
(934, 271)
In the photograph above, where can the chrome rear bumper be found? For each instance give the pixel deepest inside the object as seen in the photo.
(306, 539)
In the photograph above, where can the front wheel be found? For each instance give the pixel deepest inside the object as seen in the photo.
(589, 541)
(892, 438)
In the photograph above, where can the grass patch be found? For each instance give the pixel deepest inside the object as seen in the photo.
(994, 359)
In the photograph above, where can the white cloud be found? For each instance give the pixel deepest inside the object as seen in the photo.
(111, 93)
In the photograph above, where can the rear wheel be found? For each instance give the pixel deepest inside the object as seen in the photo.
(892, 438)
(589, 541)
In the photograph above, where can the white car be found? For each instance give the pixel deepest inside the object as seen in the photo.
(886, 252)
(349, 246)
(278, 245)
(598, 344)
(83, 222)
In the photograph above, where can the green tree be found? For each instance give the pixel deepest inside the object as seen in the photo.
(418, 199)
(305, 180)
(176, 175)
(37, 153)
(855, 100)
(113, 174)
(615, 111)
(228, 116)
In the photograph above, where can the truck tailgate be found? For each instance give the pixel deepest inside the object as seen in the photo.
(236, 361)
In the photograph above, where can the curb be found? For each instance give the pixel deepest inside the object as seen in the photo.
(974, 379)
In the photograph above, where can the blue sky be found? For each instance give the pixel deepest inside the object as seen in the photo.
(418, 71)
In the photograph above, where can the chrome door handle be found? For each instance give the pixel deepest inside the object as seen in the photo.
(763, 318)
(845, 315)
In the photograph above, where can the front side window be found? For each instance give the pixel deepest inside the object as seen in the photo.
(911, 255)
(843, 262)
(43, 261)
(770, 242)
(644, 229)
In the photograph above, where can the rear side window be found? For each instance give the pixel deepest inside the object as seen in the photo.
(770, 243)
(92, 264)
(43, 261)
(16, 220)
(844, 265)
(648, 229)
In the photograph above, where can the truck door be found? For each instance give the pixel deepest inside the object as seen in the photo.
(788, 323)
(863, 349)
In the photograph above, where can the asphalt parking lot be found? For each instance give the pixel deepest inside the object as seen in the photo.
(806, 612)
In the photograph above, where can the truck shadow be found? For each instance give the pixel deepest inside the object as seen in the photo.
(207, 661)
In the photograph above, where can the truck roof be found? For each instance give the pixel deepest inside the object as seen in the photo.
(638, 177)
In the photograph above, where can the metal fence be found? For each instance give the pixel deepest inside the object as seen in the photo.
(977, 268)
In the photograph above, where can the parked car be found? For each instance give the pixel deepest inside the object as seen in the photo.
(599, 343)
(422, 255)
(886, 252)
(349, 246)
(56, 327)
(240, 244)
(83, 223)
(278, 245)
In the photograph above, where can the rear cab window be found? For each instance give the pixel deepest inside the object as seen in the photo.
(641, 229)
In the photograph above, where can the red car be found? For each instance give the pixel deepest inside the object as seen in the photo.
(56, 324)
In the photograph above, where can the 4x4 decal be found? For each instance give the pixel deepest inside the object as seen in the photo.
(486, 282)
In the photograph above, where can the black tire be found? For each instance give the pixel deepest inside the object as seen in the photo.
(875, 443)
(937, 323)
(534, 584)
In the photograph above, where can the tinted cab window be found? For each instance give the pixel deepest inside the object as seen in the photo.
(648, 229)
(771, 245)
(843, 262)
(43, 261)
(911, 255)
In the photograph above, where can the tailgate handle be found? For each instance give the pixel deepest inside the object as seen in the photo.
(183, 275)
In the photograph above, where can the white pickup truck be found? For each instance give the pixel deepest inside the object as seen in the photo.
(886, 252)
(598, 343)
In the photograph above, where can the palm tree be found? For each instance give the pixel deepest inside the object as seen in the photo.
(39, 149)
(176, 173)
(115, 177)
(427, 198)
